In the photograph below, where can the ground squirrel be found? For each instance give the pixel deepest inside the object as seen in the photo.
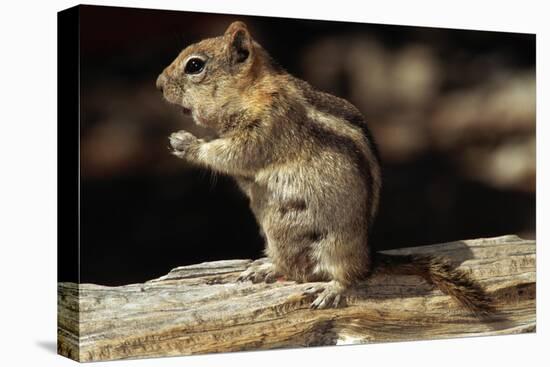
(306, 161)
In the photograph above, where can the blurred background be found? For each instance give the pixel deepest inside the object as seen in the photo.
(453, 113)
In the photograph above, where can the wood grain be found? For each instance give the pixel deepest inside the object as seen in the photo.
(201, 309)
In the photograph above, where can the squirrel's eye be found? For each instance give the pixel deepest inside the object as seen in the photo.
(194, 66)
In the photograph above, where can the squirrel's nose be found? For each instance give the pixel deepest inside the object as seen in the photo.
(160, 82)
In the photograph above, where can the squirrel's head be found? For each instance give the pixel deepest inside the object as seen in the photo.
(209, 79)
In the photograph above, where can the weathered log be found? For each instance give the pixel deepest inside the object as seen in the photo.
(202, 309)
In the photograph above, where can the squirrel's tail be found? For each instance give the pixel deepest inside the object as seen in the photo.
(441, 273)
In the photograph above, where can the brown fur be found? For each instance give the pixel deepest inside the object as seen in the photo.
(305, 159)
(440, 272)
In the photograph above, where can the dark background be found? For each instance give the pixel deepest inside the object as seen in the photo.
(453, 113)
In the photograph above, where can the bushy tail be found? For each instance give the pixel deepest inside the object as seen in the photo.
(441, 273)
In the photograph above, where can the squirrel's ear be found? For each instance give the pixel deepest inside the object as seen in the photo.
(239, 42)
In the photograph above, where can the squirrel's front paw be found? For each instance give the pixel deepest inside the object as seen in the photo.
(181, 142)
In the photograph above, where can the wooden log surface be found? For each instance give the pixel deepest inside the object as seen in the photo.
(202, 309)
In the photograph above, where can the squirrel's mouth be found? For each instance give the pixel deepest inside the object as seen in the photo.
(185, 110)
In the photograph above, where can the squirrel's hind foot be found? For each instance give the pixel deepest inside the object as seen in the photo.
(329, 295)
(260, 271)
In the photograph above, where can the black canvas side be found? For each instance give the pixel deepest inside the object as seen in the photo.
(68, 144)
